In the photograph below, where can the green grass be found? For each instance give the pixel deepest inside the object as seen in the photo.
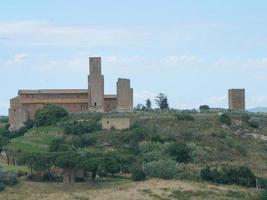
(36, 140)
(14, 168)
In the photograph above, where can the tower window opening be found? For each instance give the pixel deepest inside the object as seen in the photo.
(95, 104)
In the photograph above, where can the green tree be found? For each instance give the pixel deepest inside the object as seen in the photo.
(91, 164)
(139, 107)
(148, 104)
(111, 164)
(4, 119)
(68, 161)
(138, 174)
(165, 169)
(225, 119)
(81, 127)
(162, 101)
(180, 152)
(204, 108)
(49, 115)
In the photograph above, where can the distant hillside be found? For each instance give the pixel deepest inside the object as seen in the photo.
(258, 109)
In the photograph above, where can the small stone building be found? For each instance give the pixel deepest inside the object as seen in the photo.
(236, 99)
(116, 123)
(92, 99)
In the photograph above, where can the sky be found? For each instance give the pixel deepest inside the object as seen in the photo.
(191, 50)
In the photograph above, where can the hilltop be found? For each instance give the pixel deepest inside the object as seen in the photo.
(209, 139)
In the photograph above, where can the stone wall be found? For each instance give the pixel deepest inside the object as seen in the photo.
(110, 103)
(116, 123)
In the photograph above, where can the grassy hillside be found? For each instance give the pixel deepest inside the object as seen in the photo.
(35, 140)
(211, 142)
(218, 143)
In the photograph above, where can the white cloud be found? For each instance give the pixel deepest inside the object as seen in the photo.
(38, 33)
(17, 59)
(180, 60)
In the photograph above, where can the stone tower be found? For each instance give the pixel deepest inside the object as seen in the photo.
(124, 95)
(95, 85)
(236, 99)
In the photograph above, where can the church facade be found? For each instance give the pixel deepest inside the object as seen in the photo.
(24, 106)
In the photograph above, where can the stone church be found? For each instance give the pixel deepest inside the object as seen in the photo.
(93, 99)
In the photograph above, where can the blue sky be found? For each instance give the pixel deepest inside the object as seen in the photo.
(192, 51)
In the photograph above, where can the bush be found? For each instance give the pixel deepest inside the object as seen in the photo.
(180, 152)
(7, 178)
(253, 123)
(230, 175)
(138, 174)
(225, 119)
(111, 165)
(262, 183)
(49, 115)
(184, 117)
(21, 173)
(165, 169)
(81, 127)
(2, 186)
(4, 119)
(154, 155)
(263, 195)
(199, 154)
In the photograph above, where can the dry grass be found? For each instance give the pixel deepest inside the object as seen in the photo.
(125, 189)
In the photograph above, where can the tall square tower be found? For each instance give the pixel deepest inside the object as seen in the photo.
(236, 99)
(95, 85)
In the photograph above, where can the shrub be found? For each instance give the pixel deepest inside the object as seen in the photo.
(4, 119)
(184, 117)
(263, 195)
(111, 164)
(56, 144)
(230, 175)
(262, 182)
(49, 115)
(138, 174)
(165, 169)
(198, 153)
(179, 152)
(146, 147)
(253, 123)
(154, 155)
(7, 178)
(225, 119)
(81, 127)
(2, 186)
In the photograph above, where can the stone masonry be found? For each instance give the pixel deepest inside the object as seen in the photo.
(93, 99)
(236, 99)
